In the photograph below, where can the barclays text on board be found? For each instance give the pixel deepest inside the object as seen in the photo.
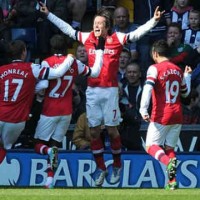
(77, 169)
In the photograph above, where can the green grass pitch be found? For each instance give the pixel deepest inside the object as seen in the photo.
(97, 194)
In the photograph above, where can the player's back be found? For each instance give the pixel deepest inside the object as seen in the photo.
(58, 95)
(166, 94)
(17, 84)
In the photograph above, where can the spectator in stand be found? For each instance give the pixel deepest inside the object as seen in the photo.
(81, 81)
(45, 29)
(129, 106)
(179, 52)
(191, 112)
(191, 35)
(109, 5)
(57, 106)
(124, 59)
(180, 13)
(79, 103)
(78, 9)
(143, 11)
(81, 135)
(102, 94)
(17, 86)
(5, 14)
(26, 14)
(23, 14)
(165, 84)
(122, 24)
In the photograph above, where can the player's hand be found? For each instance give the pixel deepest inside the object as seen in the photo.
(43, 8)
(146, 118)
(101, 43)
(188, 69)
(71, 55)
(158, 14)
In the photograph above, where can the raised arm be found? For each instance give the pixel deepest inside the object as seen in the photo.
(96, 69)
(61, 69)
(61, 24)
(186, 84)
(142, 30)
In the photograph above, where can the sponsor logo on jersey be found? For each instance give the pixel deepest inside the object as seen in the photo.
(106, 51)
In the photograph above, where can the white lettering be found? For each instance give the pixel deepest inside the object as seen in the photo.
(191, 178)
(38, 172)
(85, 171)
(63, 173)
(106, 51)
(128, 174)
(193, 143)
(13, 71)
(179, 146)
(148, 175)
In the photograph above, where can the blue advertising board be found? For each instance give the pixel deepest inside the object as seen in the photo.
(77, 169)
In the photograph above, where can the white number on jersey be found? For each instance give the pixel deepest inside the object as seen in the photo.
(19, 83)
(171, 91)
(54, 93)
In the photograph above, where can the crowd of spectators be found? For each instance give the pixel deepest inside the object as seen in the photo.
(180, 26)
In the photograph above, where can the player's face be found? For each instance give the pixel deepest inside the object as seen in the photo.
(99, 26)
(194, 20)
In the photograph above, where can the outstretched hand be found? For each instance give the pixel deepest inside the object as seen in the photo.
(188, 69)
(158, 14)
(101, 43)
(43, 8)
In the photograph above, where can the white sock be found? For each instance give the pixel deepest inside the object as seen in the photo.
(49, 180)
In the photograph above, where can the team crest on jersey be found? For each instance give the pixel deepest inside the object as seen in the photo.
(109, 40)
(71, 70)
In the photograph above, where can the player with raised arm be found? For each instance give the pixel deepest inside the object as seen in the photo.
(57, 106)
(17, 89)
(165, 84)
(102, 98)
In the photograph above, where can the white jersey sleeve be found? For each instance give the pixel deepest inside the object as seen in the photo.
(186, 81)
(142, 30)
(50, 73)
(41, 85)
(62, 25)
(147, 90)
(95, 70)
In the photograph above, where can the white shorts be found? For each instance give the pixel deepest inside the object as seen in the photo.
(52, 127)
(9, 133)
(163, 134)
(102, 106)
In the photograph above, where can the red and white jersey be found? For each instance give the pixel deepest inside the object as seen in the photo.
(17, 85)
(113, 48)
(58, 95)
(168, 83)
